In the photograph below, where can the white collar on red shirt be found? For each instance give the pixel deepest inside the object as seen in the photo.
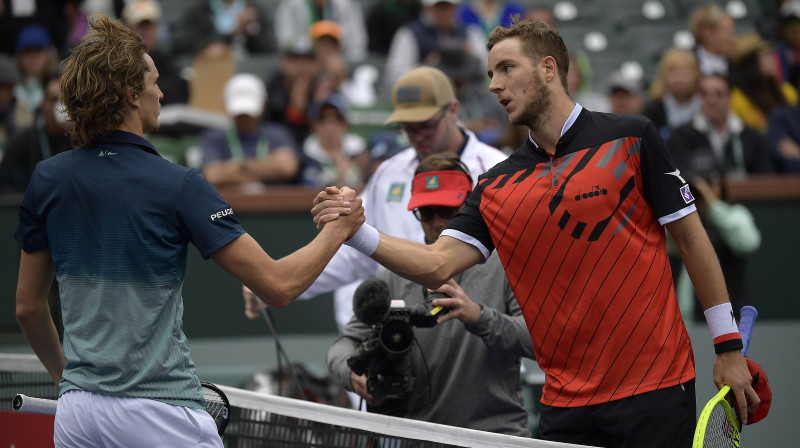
(568, 124)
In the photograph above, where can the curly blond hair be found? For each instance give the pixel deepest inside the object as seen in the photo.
(538, 40)
(95, 77)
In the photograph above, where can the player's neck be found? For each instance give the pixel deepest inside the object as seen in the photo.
(547, 132)
(132, 123)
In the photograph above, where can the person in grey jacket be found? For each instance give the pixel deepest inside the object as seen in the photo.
(466, 368)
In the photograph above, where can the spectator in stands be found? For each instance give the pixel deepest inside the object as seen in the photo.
(294, 18)
(9, 76)
(542, 13)
(384, 18)
(487, 14)
(248, 151)
(580, 89)
(290, 89)
(418, 42)
(479, 111)
(756, 88)
(332, 66)
(673, 93)
(783, 136)
(737, 149)
(46, 137)
(787, 46)
(332, 155)
(144, 17)
(36, 58)
(212, 26)
(714, 33)
(53, 15)
(624, 94)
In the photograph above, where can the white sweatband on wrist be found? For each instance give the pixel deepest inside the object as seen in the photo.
(723, 328)
(365, 240)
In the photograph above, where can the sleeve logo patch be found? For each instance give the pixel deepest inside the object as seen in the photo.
(221, 213)
(687, 194)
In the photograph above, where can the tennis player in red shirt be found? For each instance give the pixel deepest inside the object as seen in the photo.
(577, 216)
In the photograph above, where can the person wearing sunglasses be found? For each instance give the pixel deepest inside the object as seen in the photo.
(476, 346)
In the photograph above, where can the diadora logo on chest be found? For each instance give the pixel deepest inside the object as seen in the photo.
(595, 191)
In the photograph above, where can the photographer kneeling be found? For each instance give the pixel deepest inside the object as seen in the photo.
(465, 369)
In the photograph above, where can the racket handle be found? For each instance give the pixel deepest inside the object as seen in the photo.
(748, 316)
(33, 405)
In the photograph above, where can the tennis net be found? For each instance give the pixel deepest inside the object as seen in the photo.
(268, 421)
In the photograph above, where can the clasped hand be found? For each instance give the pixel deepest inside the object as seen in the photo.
(332, 203)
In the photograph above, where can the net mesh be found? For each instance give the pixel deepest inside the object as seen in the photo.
(268, 421)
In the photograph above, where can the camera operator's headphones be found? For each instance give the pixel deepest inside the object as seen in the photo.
(461, 166)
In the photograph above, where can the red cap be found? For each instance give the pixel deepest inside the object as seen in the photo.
(761, 386)
(448, 188)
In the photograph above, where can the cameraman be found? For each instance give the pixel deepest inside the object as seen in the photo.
(465, 373)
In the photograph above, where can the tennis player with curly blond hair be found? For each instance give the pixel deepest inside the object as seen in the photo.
(112, 221)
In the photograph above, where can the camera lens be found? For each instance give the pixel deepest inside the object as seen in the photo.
(396, 339)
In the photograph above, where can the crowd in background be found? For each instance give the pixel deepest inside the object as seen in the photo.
(290, 123)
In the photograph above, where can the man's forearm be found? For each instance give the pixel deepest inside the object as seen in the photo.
(41, 333)
(700, 260)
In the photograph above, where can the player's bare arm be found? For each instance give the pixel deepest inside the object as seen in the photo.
(427, 264)
(36, 274)
(703, 267)
(278, 282)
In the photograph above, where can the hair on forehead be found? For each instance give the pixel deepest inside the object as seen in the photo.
(537, 39)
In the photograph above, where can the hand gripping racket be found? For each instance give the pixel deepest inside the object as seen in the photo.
(217, 405)
(718, 425)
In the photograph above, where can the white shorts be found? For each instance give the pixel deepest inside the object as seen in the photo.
(86, 419)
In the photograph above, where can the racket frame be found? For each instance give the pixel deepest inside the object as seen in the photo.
(702, 422)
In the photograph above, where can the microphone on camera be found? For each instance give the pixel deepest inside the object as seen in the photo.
(371, 301)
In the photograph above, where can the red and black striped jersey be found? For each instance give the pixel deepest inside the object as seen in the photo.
(580, 237)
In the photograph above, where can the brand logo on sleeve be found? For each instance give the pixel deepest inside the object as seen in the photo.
(687, 194)
(221, 213)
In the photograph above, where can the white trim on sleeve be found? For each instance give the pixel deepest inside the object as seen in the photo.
(461, 236)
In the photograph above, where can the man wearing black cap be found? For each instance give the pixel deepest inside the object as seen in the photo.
(481, 354)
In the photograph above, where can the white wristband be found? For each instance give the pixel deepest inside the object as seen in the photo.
(365, 240)
(721, 322)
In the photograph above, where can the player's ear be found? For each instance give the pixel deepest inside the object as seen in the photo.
(131, 97)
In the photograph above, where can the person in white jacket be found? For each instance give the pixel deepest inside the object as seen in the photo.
(426, 108)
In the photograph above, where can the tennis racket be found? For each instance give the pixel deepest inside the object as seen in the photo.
(217, 405)
(718, 425)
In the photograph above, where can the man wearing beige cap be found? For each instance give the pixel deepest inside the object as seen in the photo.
(425, 107)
